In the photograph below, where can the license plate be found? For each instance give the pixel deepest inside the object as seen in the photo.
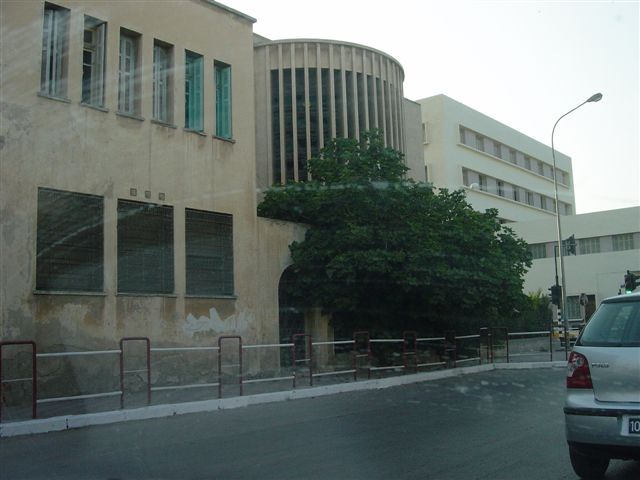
(634, 425)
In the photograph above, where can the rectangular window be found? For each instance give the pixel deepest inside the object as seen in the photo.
(512, 156)
(530, 200)
(540, 167)
(128, 82)
(573, 307)
(589, 245)
(223, 100)
(93, 61)
(622, 242)
(193, 92)
(69, 241)
(145, 248)
(162, 81)
(55, 45)
(209, 253)
(462, 135)
(501, 188)
(482, 182)
(497, 149)
(527, 163)
(516, 193)
(480, 142)
(543, 202)
(538, 250)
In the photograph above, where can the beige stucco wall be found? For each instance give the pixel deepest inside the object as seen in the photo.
(445, 156)
(63, 145)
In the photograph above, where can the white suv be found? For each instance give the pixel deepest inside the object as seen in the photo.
(602, 407)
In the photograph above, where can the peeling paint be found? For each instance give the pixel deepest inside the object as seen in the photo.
(213, 323)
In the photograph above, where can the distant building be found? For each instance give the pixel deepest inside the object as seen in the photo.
(607, 245)
(497, 166)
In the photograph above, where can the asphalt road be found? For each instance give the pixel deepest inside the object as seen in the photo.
(494, 425)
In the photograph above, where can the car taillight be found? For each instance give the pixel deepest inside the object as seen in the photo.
(578, 374)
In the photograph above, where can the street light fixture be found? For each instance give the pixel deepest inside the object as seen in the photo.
(593, 98)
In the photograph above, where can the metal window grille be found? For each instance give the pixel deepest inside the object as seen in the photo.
(69, 241)
(209, 253)
(145, 247)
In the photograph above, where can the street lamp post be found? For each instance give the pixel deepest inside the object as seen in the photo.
(593, 98)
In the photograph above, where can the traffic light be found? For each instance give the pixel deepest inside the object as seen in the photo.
(630, 282)
(556, 294)
(569, 245)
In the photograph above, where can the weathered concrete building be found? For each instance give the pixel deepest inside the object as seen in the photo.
(130, 175)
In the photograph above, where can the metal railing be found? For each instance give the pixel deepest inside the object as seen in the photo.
(408, 354)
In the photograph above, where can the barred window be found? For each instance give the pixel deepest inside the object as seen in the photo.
(622, 242)
(589, 245)
(69, 241)
(209, 253)
(145, 247)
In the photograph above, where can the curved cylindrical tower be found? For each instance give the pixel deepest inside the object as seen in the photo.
(310, 91)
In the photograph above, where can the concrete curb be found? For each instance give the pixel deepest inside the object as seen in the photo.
(67, 422)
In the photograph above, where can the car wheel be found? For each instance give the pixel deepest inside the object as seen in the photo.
(588, 466)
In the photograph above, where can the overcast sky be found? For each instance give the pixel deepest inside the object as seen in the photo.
(523, 63)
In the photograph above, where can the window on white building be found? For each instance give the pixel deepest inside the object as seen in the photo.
(497, 149)
(588, 245)
(480, 142)
(512, 156)
(623, 241)
(538, 250)
(501, 188)
(93, 61)
(55, 33)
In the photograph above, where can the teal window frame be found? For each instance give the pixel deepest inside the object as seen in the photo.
(222, 76)
(193, 92)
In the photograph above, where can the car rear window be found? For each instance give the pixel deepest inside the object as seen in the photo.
(614, 325)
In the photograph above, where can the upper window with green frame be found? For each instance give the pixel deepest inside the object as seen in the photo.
(223, 99)
(193, 97)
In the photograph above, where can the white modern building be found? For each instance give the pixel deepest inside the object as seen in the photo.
(607, 245)
(498, 166)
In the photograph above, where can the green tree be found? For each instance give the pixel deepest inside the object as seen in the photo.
(387, 254)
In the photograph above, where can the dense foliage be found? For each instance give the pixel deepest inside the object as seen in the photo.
(387, 254)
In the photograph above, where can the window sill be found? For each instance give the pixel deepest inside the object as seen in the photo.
(51, 97)
(94, 107)
(198, 132)
(220, 297)
(141, 294)
(224, 139)
(163, 124)
(130, 115)
(74, 293)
